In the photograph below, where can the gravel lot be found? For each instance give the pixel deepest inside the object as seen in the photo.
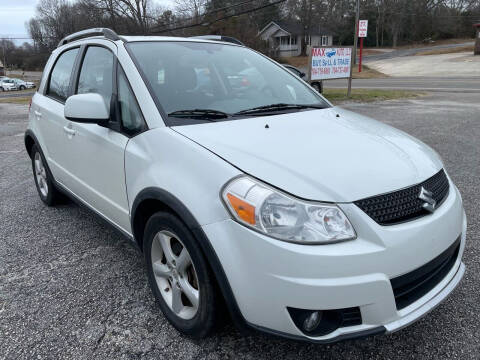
(70, 287)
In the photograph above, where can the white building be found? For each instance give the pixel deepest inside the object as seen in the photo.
(284, 38)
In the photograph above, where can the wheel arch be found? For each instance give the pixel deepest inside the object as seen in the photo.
(30, 140)
(152, 200)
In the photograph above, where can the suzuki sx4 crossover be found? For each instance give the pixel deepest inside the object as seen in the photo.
(245, 189)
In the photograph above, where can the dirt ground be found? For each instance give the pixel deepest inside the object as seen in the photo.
(444, 65)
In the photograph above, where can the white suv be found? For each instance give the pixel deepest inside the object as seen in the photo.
(306, 220)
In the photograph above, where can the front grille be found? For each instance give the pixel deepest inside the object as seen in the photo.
(404, 205)
(412, 286)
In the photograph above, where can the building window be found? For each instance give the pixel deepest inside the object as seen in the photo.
(324, 40)
(284, 40)
(308, 40)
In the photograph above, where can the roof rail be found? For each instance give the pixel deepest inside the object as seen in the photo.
(219, 38)
(108, 33)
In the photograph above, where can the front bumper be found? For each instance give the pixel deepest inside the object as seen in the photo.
(267, 275)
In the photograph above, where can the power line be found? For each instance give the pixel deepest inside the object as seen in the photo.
(218, 19)
(213, 11)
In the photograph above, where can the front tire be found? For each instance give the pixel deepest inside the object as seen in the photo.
(43, 178)
(22, 87)
(179, 276)
(318, 87)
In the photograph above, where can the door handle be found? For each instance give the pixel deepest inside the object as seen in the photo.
(38, 114)
(69, 131)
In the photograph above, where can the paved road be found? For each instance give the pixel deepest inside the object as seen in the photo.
(437, 84)
(71, 288)
(412, 51)
(10, 94)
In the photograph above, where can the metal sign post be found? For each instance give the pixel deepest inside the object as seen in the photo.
(349, 89)
(362, 33)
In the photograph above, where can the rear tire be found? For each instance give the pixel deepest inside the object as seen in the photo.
(167, 242)
(22, 87)
(43, 178)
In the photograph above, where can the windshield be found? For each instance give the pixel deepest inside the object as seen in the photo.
(219, 78)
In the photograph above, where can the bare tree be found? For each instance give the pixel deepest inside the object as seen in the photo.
(131, 15)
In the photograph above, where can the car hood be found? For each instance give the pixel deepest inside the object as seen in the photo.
(316, 155)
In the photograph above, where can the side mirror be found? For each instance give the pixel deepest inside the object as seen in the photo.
(87, 108)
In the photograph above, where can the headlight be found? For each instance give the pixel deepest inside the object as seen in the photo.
(283, 217)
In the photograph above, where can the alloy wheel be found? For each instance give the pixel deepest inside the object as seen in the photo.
(41, 175)
(175, 274)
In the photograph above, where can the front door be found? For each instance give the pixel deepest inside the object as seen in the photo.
(96, 153)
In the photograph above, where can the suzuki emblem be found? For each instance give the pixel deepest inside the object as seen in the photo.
(427, 197)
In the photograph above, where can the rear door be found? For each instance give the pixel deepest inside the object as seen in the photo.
(96, 153)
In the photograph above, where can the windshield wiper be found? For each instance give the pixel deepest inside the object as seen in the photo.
(278, 107)
(204, 114)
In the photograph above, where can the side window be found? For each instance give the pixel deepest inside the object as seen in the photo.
(60, 75)
(96, 73)
(130, 115)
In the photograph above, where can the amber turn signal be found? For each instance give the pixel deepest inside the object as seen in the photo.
(244, 210)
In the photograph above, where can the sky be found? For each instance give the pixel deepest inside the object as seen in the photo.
(15, 13)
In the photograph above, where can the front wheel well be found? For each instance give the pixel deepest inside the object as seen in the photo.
(143, 212)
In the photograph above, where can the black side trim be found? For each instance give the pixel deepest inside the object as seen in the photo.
(181, 210)
(355, 335)
(97, 215)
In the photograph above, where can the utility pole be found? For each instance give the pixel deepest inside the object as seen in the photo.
(4, 59)
(355, 35)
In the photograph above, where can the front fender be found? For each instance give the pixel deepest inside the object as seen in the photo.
(164, 159)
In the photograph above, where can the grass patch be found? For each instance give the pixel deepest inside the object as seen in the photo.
(15, 100)
(468, 48)
(337, 96)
